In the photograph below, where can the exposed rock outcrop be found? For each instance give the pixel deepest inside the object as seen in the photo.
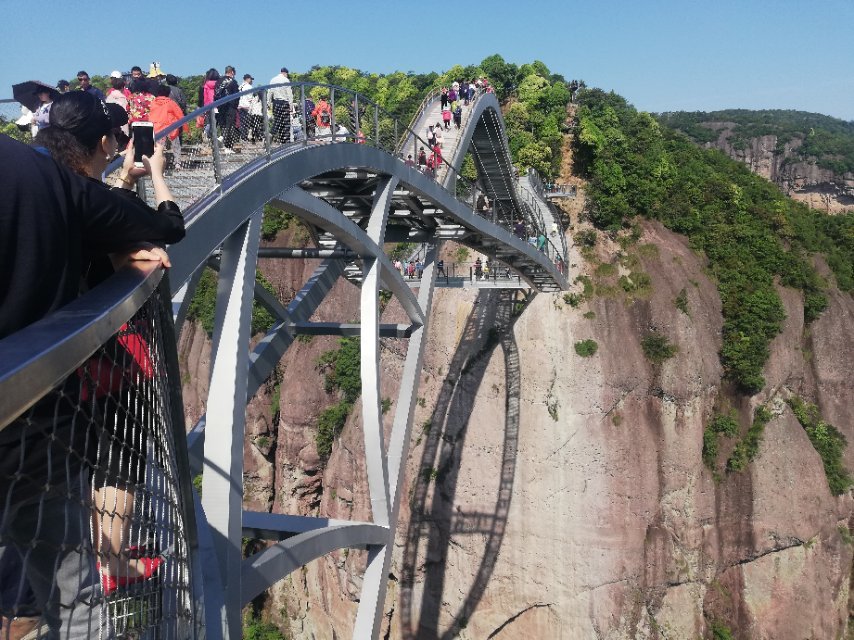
(800, 179)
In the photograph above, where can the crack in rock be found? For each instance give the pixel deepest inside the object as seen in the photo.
(796, 542)
(512, 619)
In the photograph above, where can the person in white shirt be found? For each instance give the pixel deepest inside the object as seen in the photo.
(249, 130)
(281, 98)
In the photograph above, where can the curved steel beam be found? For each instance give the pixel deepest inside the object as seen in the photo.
(372, 420)
(253, 186)
(349, 233)
(258, 572)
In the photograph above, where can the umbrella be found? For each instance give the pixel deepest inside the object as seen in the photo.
(25, 93)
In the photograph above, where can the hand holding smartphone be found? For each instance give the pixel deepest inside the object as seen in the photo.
(143, 141)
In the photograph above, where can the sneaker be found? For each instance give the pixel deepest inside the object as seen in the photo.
(110, 584)
(227, 151)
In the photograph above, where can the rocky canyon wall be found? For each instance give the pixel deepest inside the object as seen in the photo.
(817, 187)
(550, 495)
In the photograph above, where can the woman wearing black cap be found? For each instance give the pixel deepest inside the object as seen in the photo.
(82, 135)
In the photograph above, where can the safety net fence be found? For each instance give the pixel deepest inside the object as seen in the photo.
(95, 523)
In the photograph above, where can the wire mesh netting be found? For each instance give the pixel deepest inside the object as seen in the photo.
(93, 533)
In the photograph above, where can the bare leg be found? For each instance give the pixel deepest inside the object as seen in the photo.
(113, 510)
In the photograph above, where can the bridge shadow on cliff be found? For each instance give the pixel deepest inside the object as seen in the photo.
(433, 516)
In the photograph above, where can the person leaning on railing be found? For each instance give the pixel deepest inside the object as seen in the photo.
(54, 223)
(119, 469)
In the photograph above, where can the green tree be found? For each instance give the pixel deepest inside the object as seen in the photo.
(502, 75)
(531, 89)
(538, 156)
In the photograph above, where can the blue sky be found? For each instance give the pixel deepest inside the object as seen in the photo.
(661, 55)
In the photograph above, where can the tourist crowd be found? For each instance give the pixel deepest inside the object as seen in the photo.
(157, 97)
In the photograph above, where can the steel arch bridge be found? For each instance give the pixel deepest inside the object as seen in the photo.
(355, 193)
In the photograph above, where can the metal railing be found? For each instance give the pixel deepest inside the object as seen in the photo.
(204, 163)
(93, 445)
(428, 100)
(556, 237)
(550, 189)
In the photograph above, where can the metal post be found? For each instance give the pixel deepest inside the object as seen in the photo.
(332, 115)
(305, 115)
(356, 107)
(217, 166)
(268, 139)
(377, 124)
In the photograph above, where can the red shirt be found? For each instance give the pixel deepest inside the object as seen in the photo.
(138, 106)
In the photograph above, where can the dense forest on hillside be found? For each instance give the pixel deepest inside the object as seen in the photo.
(829, 142)
(751, 234)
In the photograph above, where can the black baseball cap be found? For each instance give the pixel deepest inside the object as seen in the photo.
(86, 116)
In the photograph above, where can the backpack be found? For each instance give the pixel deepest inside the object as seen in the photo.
(222, 88)
(325, 118)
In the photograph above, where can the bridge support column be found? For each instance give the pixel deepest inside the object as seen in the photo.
(222, 483)
(374, 584)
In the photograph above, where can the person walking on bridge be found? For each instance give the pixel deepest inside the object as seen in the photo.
(281, 99)
(438, 136)
(244, 106)
(85, 85)
(310, 123)
(437, 156)
(227, 117)
(164, 112)
(322, 113)
(206, 96)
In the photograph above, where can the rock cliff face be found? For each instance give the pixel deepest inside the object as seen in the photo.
(550, 495)
(804, 181)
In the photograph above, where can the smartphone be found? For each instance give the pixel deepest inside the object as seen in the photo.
(143, 141)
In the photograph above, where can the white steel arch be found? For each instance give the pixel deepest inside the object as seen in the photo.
(225, 223)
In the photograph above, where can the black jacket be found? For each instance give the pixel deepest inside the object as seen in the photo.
(53, 223)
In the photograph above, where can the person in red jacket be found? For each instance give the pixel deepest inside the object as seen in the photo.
(163, 112)
(437, 156)
(322, 114)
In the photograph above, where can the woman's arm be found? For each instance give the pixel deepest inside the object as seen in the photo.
(153, 167)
